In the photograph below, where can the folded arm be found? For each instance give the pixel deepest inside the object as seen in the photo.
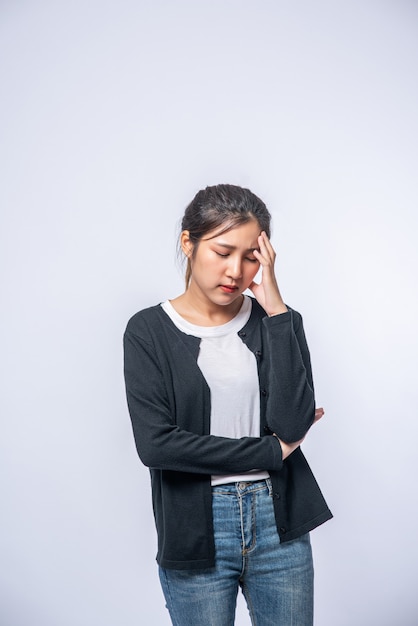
(156, 412)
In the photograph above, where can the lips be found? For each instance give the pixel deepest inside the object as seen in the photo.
(229, 288)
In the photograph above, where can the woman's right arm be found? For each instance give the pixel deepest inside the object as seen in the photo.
(161, 444)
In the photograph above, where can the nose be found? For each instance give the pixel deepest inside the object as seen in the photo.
(234, 270)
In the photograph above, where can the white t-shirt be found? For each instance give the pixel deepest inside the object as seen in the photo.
(230, 369)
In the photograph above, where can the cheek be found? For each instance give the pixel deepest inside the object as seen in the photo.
(252, 271)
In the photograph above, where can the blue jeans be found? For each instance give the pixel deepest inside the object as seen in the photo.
(276, 578)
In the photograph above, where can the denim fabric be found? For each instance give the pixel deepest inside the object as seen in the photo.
(276, 579)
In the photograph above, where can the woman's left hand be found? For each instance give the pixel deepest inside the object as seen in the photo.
(267, 291)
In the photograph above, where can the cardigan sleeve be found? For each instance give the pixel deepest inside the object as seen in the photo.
(161, 444)
(290, 409)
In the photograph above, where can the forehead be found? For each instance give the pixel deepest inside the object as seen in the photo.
(240, 235)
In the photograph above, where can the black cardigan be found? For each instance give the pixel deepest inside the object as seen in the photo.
(169, 405)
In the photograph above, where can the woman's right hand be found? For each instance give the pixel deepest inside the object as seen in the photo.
(288, 448)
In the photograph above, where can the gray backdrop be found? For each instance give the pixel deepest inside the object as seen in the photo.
(113, 114)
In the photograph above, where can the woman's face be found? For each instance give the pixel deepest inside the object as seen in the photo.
(223, 265)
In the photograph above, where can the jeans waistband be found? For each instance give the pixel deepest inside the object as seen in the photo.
(243, 487)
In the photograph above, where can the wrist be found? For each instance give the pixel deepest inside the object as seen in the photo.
(278, 310)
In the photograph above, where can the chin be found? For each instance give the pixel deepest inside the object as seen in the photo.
(229, 299)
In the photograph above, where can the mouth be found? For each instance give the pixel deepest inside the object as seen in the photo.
(229, 288)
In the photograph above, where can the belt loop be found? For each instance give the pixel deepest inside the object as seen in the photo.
(269, 486)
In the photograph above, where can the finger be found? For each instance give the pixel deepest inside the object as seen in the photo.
(318, 414)
(265, 243)
(263, 255)
(261, 258)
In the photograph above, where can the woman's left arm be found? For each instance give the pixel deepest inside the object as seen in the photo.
(290, 394)
(290, 410)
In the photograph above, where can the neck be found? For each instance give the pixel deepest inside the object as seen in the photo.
(202, 312)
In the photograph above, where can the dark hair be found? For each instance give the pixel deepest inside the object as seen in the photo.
(224, 207)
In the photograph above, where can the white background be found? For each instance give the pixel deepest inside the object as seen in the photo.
(113, 114)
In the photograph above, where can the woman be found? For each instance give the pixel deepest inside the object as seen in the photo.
(220, 394)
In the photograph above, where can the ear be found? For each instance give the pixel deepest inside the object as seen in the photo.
(186, 244)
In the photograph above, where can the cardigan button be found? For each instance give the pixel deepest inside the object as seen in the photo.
(263, 392)
(257, 353)
(242, 333)
(277, 496)
(282, 529)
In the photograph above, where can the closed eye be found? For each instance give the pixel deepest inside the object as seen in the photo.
(226, 255)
